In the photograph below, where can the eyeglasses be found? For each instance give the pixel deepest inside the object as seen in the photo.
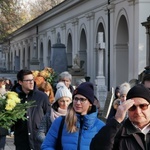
(28, 80)
(82, 100)
(142, 106)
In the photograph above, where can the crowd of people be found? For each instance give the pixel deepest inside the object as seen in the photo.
(68, 118)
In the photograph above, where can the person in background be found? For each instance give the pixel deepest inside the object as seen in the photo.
(97, 104)
(78, 82)
(63, 98)
(146, 81)
(3, 132)
(81, 122)
(134, 132)
(25, 130)
(8, 85)
(2, 87)
(66, 78)
(123, 90)
(47, 88)
(117, 93)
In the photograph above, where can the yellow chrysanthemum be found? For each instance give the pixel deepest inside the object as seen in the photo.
(8, 107)
(12, 93)
(12, 96)
(10, 104)
(17, 100)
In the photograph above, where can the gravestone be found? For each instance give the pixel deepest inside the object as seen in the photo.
(59, 56)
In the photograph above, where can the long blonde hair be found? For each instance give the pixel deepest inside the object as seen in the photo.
(71, 118)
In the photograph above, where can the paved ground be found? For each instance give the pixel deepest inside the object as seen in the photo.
(9, 143)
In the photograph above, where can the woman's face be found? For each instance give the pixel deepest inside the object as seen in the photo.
(66, 81)
(64, 102)
(123, 97)
(81, 104)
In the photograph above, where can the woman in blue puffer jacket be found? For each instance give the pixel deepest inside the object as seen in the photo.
(81, 122)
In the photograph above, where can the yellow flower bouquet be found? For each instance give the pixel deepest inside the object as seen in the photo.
(11, 109)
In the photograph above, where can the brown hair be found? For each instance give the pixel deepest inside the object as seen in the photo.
(46, 86)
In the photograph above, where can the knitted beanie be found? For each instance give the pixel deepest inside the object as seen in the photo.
(139, 91)
(124, 88)
(86, 89)
(62, 91)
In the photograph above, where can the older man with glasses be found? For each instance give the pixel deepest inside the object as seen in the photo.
(134, 133)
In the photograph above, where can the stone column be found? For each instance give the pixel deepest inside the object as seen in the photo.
(90, 45)
(75, 43)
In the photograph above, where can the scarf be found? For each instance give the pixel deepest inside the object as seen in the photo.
(56, 114)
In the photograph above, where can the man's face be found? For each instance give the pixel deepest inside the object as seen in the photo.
(139, 116)
(147, 84)
(27, 83)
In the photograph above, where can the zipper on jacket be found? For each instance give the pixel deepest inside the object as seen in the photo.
(80, 132)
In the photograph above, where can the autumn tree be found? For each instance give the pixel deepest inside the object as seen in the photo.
(10, 18)
(38, 7)
(16, 13)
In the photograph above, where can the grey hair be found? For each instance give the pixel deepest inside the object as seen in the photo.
(65, 74)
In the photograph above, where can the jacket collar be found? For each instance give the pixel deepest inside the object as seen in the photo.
(88, 120)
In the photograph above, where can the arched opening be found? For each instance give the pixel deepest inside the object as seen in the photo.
(23, 61)
(69, 51)
(49, 53)
(83, 50)
(122, 51)
(17, 61)
(28, 58)
(41, 57)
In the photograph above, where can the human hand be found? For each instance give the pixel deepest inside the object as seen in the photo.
(122, 110)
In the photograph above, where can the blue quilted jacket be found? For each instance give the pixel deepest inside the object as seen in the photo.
(88, 125)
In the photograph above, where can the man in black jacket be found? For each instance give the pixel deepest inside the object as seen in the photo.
(134, 133)
(25, 130)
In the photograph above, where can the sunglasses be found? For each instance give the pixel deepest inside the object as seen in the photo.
(142, 106)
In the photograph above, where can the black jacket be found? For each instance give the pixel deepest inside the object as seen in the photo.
(3, 131)
(25, 130)
(116, 136)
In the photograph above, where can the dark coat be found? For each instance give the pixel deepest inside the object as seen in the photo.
(116, 136)
(25, 130)
(44, 127)
(3, 131)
